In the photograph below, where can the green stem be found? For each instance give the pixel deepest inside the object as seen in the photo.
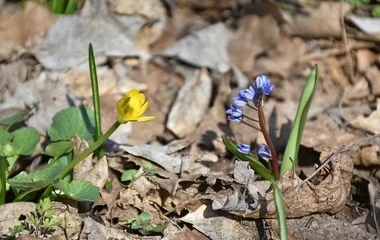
(3, 169)
(82, 156)
(23, 194)
(89, 150)
(95, 98)
(280, 208)
(263, 127)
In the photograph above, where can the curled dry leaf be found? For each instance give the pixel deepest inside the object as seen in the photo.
(329, 196)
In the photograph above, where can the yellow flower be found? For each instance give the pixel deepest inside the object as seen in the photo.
(132, 106)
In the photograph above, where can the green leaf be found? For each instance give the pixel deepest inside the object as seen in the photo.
(5, 136)
(16, 230)
(51, 223)
(79, 190)
(58, 6)
(148, 169)
(375, 12)
(25, 140)
(56, 149)
(281, 214)
(43, 206)
(136, 224)
(291, 152)
(95, 98)
(253, 162)
(128, 175)
(144, 216)
(9, 121)
(71, 7)
(37, 180)
(70, 121)
(159, 228)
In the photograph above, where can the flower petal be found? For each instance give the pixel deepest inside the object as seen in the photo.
(145, 118)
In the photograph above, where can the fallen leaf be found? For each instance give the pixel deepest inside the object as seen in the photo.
(191, 104)
(329, 196)
(254, 36)
(219, 227)
(66, 43)
(26, 25)
(159, 155)
(368, 25)
(207, 48)
(370, 123)
(321, 21)
(373, 76)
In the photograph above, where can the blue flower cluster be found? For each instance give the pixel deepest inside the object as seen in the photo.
(261, 86)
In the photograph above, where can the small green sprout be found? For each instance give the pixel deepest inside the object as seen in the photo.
(43, 221)
(142, 224)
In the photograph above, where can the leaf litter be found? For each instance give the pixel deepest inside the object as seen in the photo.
(190, 57)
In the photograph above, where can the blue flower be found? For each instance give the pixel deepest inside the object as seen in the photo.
(262, 85)
(234, 113)
(264, 152)
(247, 94)
(239, 102)
(244, 148)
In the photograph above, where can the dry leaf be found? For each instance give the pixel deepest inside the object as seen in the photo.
(254, 36)
(373, 76)
(328, 196)
(220, 227)
(152, 9)
(26, 25)
(370, 123)
(191, 103)
(66, 43)
(97, 173)
(323, 21)
(159, 155)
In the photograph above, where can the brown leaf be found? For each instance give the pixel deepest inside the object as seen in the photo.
(370, 123)
(254, 36)
(321, 21)
(24, 25)
(191, 104)
(329, 196)
(96, 173)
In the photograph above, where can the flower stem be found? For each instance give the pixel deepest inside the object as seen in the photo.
(82, 156)
(263, 126)
(249, 118)
(250, 125)
(89, 150)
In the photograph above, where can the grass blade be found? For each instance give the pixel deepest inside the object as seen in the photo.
(95, 98)
(292, 148)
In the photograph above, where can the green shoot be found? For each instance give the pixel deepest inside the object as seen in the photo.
(290, 157)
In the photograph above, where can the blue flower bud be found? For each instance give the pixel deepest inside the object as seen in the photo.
(244, 148)
(264, 152)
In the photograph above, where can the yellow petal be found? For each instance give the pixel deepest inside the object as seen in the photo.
(144, 107)
(145, 118)
(131, 93)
